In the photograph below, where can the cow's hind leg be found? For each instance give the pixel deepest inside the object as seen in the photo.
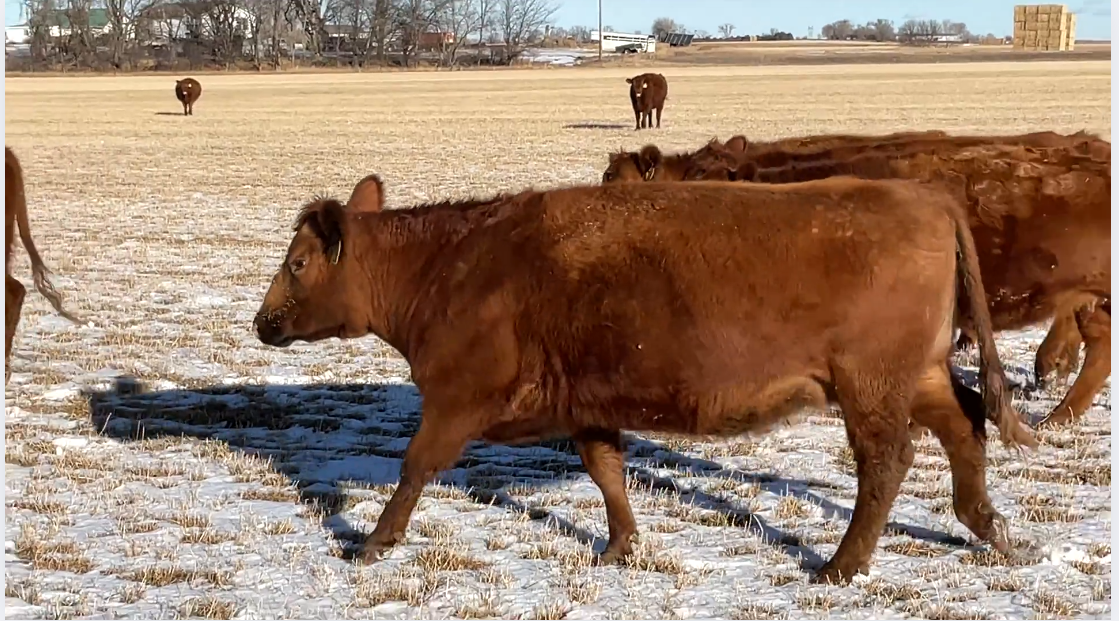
(876, 417)
(602, 455)
(940, 406)
(14, 294)
(1060, 351)
(659, 117)
(437, 444)
(1094, 324)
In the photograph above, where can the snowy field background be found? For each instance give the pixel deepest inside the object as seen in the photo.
(162, 463)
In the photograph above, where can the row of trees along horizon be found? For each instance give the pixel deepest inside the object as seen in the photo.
(104, 35)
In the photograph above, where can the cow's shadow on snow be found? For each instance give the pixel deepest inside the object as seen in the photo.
(328, 438)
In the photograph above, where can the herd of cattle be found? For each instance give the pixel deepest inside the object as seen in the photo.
(714, 293)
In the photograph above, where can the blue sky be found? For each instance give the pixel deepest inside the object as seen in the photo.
(795, 16)
(1093, 19)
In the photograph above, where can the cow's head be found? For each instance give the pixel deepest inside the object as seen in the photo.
(182, 87)
(626, 166)
(320, 291)
(639, 85)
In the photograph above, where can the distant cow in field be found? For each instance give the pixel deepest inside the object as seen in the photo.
(647, 93)
(187, 91)
(1041, 217)
(15, 213)
(699, 309)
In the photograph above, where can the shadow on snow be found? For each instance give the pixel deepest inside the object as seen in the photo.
(322, 436)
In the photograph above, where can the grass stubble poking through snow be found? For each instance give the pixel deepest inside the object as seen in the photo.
(170, 498)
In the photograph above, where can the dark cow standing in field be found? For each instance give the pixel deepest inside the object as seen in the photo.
(15, 213)
(187, 91)
(585, 311)
(1040, 210)
(647, 93)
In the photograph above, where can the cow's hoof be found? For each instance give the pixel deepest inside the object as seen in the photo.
(372, 552)
(612, 557)
(836, 574)
(1056, 418)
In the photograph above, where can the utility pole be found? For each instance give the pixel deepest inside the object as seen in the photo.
(599, 33)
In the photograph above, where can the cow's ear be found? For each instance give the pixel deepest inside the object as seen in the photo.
(328, 227)
(629, 80)
(368, 195)
(736, 144)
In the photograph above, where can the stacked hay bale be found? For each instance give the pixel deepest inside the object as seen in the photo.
(1044, 27)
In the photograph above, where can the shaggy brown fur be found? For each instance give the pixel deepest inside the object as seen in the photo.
(1041, 217)
(586, 311)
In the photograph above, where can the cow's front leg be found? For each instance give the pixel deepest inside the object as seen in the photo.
(435, 447)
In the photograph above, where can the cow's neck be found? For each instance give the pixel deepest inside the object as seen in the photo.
(402, 245)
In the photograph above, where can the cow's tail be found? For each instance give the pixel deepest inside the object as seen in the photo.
(992, 378)
(13, 174)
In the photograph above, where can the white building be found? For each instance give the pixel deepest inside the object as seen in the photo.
(16, 35)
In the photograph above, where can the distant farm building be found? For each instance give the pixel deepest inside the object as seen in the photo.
(612, 41)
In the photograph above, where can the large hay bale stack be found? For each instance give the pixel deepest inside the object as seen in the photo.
(1044, 27)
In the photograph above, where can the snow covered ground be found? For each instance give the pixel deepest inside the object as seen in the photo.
(234, 480)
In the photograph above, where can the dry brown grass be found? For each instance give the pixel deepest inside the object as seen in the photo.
(207, 607)
(439, 558)
(163, 575)
(118, 214)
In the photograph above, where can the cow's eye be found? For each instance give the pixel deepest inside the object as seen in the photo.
(297, 265)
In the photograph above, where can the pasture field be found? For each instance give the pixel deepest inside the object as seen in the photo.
(162, 463)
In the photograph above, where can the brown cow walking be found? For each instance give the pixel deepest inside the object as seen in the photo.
(1039, 209)
(647, 93)
(586, 311)
(187, 91)
(15, 213)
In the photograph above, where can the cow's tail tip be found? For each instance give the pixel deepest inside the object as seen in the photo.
(47, 290)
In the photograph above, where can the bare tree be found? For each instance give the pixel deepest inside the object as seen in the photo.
(383, 24)
(726, 30)
(309, 14)
(224, 29)
(838, 31)
(459, 18)
(663, 26)
(485, 19)
(519, 21)
(580, 33)
(415, 17)
(907, 32)
(78, 43)
(39, 14)
(122, 16)
(263, 17)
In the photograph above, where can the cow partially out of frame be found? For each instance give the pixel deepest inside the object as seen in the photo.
(705, 309)
(1039, 206)
(15, 216)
